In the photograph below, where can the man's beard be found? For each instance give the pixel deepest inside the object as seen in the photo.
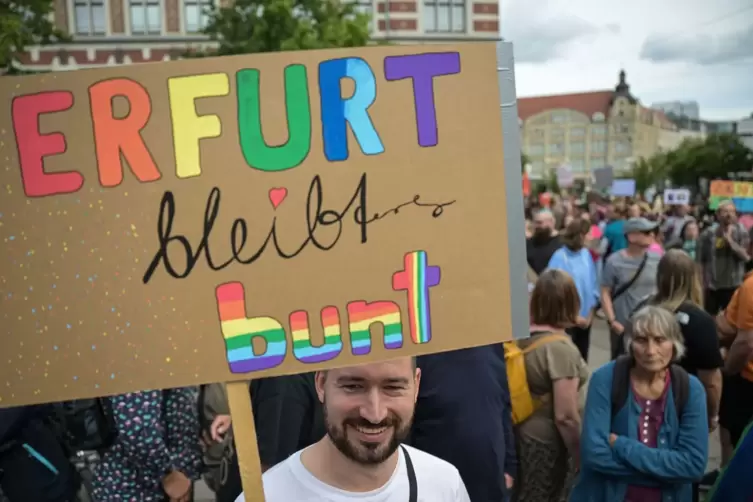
(362, 452)
(541, 236)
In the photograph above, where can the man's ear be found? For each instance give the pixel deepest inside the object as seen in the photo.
(320, 378)
(417, 379)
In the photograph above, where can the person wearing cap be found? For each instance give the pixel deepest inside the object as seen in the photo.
(629, 276)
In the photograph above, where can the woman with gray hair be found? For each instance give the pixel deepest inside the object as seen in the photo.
(645, 431)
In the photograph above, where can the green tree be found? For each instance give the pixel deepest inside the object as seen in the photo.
(648, 172)
(523, 161)
(552, 185)
(24, 23)
(716, 157)
(252, 26)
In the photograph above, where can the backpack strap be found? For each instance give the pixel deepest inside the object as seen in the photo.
(680, 387)
(620, 382)
(544, 340)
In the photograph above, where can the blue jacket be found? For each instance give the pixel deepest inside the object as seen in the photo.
(679, 459)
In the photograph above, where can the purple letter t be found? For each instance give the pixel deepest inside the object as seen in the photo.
(422, 68)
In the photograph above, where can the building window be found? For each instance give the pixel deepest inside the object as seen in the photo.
(621, 129)
(578, 147)
(145, 17)
(577, 132)
(577, 165)
(537, 149)
(598, 147)
(444, 16)
(537, 134)
(559, 117)
(90, 17)
(622, 148)
(599, 130)
(197, 13)
(556, 148)
(557, 133)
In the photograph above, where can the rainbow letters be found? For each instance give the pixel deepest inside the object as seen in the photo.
(120, 138)
(239, 331)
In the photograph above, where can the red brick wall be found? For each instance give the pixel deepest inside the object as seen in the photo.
(486, 26)
(399, 25)
(486, 8)
(397, 6)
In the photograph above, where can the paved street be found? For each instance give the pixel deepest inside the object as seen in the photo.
(599, 354)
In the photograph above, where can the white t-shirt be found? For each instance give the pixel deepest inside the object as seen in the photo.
(437, 480)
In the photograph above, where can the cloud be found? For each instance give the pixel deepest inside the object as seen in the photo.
(548, 39)
(700, 49)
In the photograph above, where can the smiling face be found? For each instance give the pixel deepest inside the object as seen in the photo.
(368, 410)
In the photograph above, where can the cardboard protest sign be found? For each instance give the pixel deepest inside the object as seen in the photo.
(739, 192)
(603, 177)
(225, 219)
(676, 196)
(623, 188)
(565, 178)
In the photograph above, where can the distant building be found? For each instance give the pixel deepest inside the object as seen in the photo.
(687, 109)
(590, 130)
(110, 32)
(703, 126)
(745, 131)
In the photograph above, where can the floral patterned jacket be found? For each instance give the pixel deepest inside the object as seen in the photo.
(158, 431)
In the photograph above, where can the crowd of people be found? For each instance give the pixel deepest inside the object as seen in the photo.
(516, 421)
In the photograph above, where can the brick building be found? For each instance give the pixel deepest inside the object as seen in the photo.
(108, 32)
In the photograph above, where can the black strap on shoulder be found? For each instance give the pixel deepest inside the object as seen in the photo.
(622, 289)
(621, 385)
(412, 483)
(620, 382)
(680, 387)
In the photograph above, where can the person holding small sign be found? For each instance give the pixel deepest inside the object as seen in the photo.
(368, 411)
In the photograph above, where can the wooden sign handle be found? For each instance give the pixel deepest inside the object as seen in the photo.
(244, 435)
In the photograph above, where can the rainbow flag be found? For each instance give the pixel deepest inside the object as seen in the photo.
(735, 483)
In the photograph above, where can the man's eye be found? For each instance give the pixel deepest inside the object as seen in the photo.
(352, 387)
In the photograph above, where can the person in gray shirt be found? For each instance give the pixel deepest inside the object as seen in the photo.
(634, 266)
(723, 252)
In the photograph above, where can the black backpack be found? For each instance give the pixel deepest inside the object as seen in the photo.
(34, 465)
(621, 383)
(85, 424)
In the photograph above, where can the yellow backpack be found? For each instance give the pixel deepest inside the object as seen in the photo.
(523, 402)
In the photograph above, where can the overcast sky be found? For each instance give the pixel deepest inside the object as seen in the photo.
(699, 50)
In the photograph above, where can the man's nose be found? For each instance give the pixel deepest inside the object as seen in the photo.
(373, 408)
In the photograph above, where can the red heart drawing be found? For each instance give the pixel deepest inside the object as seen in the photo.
(277, 195)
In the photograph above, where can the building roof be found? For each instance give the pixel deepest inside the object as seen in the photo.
(587, 103)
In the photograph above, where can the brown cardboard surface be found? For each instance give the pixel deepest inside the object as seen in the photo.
(78, 320)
